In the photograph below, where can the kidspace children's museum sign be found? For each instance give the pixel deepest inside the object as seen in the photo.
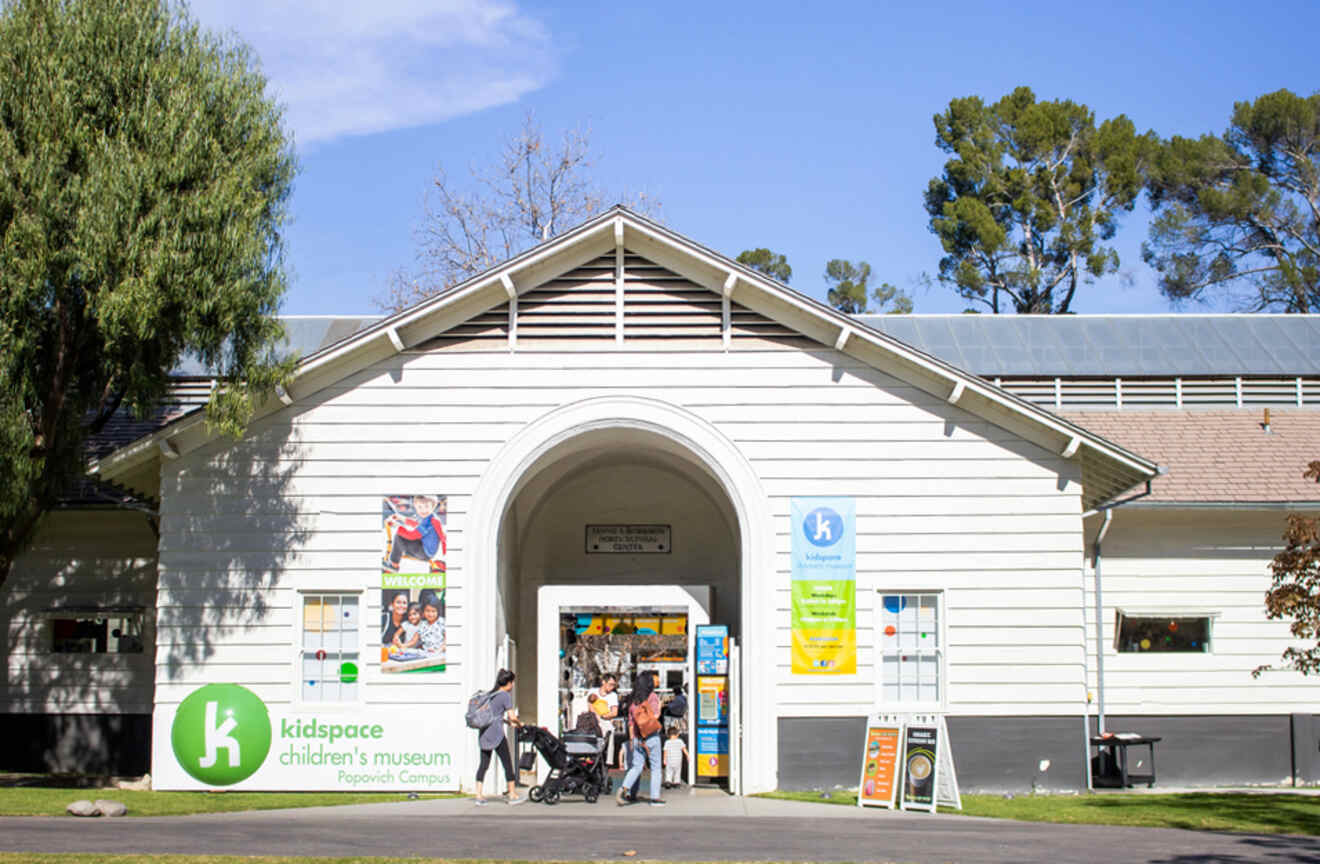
(224, 735)
(824, 583)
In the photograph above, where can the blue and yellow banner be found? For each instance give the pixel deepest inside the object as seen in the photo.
(824, 582)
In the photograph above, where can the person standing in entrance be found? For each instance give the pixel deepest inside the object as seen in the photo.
(606, 705)
(491, 739)
(644, 737)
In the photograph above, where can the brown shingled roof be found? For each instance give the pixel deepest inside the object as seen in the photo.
(1218, 456)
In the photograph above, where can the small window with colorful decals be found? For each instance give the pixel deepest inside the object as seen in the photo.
(1169, 634)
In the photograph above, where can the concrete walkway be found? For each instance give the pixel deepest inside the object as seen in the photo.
(706, 826)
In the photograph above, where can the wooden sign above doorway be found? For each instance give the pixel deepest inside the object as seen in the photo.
(627, 539)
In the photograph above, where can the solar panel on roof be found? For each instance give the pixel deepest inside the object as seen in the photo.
(1120, 345)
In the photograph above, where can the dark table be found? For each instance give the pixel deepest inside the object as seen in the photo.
(1117, 748)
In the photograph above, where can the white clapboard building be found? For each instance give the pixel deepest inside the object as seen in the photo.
(1054, 517)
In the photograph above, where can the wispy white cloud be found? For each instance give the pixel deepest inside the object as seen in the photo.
(349, 67)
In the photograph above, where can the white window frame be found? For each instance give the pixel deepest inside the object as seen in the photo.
(1121, 612)
(941, 651)
(356, 645)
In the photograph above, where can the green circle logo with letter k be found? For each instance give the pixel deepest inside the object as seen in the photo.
(221, 734)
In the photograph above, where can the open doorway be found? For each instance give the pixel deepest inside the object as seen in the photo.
(637, 462)
(619, 482)
(588, 631)
(623, 642)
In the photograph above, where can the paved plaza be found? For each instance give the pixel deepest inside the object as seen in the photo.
(706, 826)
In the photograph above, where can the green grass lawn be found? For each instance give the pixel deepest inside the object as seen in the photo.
(1274, 813)
(42, 801)
(99, 858)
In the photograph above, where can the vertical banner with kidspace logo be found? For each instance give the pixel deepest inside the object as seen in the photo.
(224, 735)
(824, 582)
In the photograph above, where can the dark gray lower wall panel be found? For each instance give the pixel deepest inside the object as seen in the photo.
(1215, 750)
(820, 752)
(1004, 754)
(118, 744)
(1306, 748)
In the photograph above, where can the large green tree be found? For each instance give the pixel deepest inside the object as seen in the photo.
(770, 263)
(144, 179)
(1030, 197)
(849, 290)
(1240, 213)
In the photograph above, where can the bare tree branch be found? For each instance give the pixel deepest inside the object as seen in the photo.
(534, 192)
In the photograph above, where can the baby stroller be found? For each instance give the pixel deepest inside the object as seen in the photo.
(577, 765)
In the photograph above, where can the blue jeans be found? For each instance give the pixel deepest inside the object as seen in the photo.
(642, 752)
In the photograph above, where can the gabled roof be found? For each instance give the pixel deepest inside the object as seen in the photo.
(1107, 469)
(1114, 345)
(1220, 457)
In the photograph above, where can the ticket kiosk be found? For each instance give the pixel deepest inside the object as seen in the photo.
(711, 714)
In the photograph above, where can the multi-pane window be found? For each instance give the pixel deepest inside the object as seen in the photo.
(90, 633)
(331, 642)
(908, 649)
(1142, 634)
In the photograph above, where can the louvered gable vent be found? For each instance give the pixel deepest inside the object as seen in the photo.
(658, 303)
(583, 304)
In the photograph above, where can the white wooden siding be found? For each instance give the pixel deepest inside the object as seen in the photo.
(1195, 561)
(945, 502)
(82, 559)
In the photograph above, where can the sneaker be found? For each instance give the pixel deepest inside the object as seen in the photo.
(656, 802)
(513, 802)
(481, 802)
(621, 796)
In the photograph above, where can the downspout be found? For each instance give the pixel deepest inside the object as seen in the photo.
(1096, 553)
(1086, 686)
(1100, 621)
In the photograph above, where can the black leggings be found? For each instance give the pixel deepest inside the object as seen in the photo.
(503, 750)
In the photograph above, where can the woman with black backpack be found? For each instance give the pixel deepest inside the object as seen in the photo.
(491, 738)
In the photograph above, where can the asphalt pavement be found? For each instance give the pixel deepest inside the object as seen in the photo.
(706, 826)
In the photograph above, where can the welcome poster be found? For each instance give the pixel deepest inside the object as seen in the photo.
(412, 582)
(824, 582)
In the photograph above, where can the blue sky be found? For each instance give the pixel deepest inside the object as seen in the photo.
(802, 127)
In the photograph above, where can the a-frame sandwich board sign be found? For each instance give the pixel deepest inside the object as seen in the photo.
(946, 778)
(920, 761)
(879, 782)
(928, 776)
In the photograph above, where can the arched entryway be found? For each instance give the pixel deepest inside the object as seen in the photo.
(629, 457)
